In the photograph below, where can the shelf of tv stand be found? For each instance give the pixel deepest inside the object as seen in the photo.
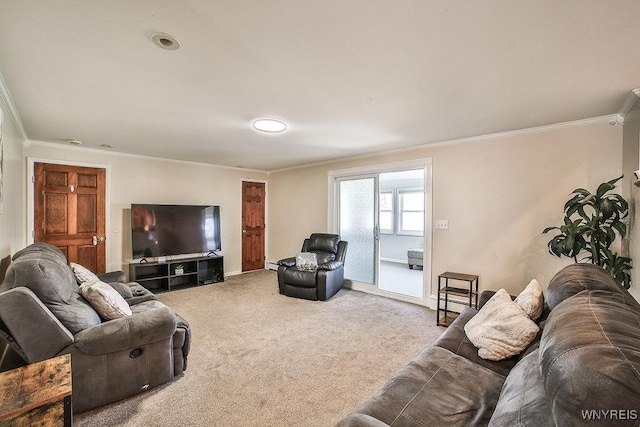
(162, 276)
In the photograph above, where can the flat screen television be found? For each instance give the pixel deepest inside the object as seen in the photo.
(165, 230)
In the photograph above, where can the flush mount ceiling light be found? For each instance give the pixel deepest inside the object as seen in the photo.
(165, 41)
(269, 125)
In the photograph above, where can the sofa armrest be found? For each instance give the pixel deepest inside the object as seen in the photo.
(113, 276)
(37, 331)
(287, 262)
(330, 265)
(132, 292)
(486, 296)
(127, 332)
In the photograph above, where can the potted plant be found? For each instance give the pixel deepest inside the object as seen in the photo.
(591, 223)
(179, 270)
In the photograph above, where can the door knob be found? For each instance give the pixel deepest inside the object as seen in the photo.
(96, 239)
(244, 231)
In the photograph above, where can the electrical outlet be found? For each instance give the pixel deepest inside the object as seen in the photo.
(442, 224)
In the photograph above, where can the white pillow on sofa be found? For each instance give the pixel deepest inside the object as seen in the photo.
(83, 274)
(105, 300)
(501, 328)
(531, 299)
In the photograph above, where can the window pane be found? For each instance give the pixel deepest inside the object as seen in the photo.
(412, 221)
(412, 201)
(386, 221)
(386, 201)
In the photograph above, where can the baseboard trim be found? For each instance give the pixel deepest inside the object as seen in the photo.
(371, 289)
(395, 260)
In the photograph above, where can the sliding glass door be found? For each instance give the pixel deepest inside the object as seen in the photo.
(385, 215)
(357, 224)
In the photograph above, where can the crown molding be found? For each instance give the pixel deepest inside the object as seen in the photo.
(633, 96)
(611, 119)
(11, 111)
(60, 146)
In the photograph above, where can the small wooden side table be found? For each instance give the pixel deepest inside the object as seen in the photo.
(444, 292)
(37, 394)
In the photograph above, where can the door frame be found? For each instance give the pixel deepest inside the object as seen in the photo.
(266, 219)
(31, 161)
(332, 220)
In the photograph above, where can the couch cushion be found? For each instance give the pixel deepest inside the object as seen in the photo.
(523, 401)
(133, 293)
(576, 278)
(590, 357)
(295, 277)
(455, 340)
(320, 242)
(437, 388)
(42, 268)
(501, 328)
(39, 247)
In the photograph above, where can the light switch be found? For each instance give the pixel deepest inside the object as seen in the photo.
(442, 224)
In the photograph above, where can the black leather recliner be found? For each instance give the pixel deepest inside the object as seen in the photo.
(321, 283)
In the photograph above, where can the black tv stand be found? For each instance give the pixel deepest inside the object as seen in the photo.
(162, 276)
(212, 253)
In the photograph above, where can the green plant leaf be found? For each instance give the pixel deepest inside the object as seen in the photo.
(607, 208)
(604, 188)
(621, 228)
(572, 204)
(600, 220)
(581, 191)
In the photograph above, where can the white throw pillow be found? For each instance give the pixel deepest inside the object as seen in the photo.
(83, 274)
(501, 328)
(105, 300)
(531, 299)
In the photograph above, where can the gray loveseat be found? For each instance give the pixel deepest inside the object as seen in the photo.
(43, 315)
(582, 369)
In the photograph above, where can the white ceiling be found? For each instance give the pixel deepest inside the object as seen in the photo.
(349, 76)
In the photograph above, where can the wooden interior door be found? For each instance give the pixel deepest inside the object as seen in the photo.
(70, 212)
(253, 225)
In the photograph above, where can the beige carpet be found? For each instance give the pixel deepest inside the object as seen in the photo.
(262, 359)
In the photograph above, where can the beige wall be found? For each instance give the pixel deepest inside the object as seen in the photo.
(631, 162)
(12, 219)
(498, 195)
(146, 180)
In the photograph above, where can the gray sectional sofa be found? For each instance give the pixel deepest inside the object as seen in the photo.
(43, 315)
(582, 369)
